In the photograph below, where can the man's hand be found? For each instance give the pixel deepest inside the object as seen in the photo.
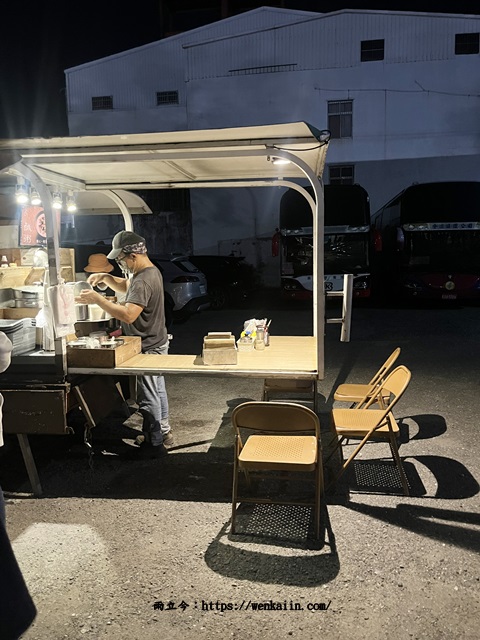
(88, 296)
(127, 313)
(96, 278)
(120, 285)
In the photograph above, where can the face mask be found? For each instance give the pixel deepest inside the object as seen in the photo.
(126, 270)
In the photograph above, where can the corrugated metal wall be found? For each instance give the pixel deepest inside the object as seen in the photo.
(133, 77)
(331, 41)
(328, 41)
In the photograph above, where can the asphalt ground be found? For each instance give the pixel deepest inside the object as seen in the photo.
(142, 549)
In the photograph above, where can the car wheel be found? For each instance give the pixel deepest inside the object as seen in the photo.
(218, 298)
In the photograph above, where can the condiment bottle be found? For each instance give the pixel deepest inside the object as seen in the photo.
(267, 336)
(4, 262)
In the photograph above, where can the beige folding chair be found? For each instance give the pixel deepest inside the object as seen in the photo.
(359, 393)
(282, 437)
(365, 423)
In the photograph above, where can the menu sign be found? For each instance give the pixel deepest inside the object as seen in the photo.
(33, 230)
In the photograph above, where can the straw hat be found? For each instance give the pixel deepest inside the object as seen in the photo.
(98, 263)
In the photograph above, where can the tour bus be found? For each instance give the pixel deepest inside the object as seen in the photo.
(430, 242)
(346, 241)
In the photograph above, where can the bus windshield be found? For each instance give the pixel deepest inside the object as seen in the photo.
(346, 252)
(441, 202)
(447, 250)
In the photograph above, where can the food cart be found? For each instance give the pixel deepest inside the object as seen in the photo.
(40, 386)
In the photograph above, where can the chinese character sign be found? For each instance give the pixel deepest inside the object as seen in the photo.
(33, 230)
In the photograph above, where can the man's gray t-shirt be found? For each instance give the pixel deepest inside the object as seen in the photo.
(146, 290)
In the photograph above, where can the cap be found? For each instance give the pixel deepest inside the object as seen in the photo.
(127, 241)
(98, 263)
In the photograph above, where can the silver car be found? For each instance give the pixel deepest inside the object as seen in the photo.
(184, 283)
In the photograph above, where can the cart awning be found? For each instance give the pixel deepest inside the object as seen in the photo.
(213, 157)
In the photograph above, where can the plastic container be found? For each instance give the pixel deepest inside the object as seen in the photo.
(245, 344)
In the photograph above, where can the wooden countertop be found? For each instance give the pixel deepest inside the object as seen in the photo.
(286, 357)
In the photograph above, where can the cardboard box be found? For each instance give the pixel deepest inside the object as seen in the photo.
(104, 358)
(219, 348)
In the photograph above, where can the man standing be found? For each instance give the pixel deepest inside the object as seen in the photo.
(141, 314)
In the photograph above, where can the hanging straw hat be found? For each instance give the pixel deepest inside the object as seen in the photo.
(98, 263)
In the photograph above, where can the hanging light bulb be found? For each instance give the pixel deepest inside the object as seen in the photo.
(21, 193)
(71, 204)
(57, 202)
(35, 197)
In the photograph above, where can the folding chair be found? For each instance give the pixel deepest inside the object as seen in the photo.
(365, 423)
(359, 393)
(284, 437)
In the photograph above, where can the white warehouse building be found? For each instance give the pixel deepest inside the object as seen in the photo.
(399, 91)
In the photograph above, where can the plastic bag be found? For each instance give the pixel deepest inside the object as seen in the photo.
(62, 305)
(250, 327)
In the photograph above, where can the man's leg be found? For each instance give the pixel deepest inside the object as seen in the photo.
(149, 405)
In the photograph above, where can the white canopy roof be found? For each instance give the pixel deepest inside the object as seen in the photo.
(169, 159)
(238, 157)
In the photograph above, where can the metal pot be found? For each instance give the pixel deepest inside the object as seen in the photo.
(80, 286)
(31, 292)
(28, 303)
(81, 312)
(86, 328)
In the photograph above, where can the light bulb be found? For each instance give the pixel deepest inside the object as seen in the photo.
(21, 193)
(71, 204)
(35, 197)
(57, 202)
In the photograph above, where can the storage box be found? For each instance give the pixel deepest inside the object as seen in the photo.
(104, 358)
(219, 348)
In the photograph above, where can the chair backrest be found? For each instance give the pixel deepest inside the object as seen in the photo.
(276, 417)
(389, 392)
(386, 366)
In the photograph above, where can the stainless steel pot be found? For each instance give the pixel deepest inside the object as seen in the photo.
(81, 312)
(80, 286)
(86, 328)
(31, 292)
(28, 303)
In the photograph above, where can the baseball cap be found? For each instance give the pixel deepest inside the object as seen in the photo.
(127, 241)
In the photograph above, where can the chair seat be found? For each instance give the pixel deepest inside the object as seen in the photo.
(354, 392)
(351, 392)
(358, 422)
(287, 453)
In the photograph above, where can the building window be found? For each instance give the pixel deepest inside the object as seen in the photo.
(467, 43)
(340, 118)
(167, 97)
(341, 174)
(372, 50)
(100, 103)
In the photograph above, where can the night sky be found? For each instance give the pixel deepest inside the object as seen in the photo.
(41, 39)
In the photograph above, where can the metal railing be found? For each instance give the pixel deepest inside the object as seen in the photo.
(346, 319)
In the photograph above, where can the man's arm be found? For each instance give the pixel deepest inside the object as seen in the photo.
(127, 313)
(120, 285)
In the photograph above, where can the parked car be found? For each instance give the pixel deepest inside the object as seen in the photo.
(185, 286)
(231, 281)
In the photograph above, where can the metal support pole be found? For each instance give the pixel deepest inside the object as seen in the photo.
(347, 307)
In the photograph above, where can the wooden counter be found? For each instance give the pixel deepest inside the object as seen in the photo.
(291, 357)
